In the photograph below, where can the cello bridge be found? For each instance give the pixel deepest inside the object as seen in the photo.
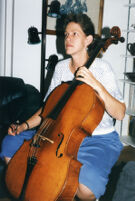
(45, 138)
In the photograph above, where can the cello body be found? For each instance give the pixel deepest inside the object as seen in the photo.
(55, 174)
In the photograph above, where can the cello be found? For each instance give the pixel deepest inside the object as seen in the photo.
(46, 167)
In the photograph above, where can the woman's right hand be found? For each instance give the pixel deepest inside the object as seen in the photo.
(35, 120)
(16, 129)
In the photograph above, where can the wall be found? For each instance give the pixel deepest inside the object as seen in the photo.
(5, 36)
(18, 58)
(27, 58)
(1, 38)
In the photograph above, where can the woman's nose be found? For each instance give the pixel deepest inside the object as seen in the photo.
(68, 37)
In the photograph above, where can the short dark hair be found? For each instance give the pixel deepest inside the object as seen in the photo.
(86, 24)
(83, 20)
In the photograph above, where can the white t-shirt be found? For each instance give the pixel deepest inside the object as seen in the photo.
(103, 72)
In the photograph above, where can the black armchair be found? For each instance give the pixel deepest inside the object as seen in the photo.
(18, 102)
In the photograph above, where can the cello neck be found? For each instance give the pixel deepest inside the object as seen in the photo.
(97, 47)
(63, 100)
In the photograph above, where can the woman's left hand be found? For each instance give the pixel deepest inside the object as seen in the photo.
(83, 74)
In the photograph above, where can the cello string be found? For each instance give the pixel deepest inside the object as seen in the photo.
(36, 140)
(43, 130)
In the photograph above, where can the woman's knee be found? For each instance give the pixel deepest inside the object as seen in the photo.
(84, 193)
(7, 159)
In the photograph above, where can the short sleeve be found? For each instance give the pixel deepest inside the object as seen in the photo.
(103, 72)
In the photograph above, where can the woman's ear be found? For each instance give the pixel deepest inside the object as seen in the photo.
(89, 40)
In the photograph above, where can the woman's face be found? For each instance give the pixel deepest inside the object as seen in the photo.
(75, 39)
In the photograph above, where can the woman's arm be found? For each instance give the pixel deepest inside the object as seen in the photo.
(114, 107)
(32, 122)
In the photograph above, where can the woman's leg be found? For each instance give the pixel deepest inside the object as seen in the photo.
(97, 154)
(11, 144)
(85, 194)
(7, 159)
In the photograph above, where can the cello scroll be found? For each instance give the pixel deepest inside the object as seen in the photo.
(115, 33)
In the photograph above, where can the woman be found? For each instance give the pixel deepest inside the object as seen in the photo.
(100, 152)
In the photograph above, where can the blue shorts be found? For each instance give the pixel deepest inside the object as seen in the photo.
(98, 154)
(11, 144)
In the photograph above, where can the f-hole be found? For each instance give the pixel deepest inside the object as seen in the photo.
(62, 137)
